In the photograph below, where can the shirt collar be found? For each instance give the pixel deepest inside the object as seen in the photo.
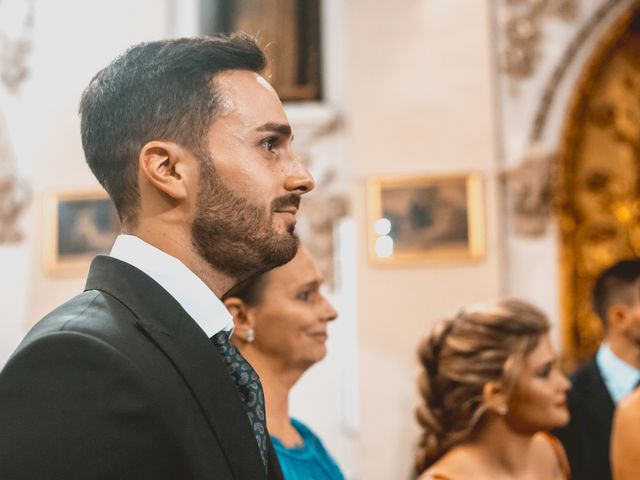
(619, 377)
(186, 287)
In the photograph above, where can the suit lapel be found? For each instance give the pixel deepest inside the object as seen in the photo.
(275, 472)
(172, 330)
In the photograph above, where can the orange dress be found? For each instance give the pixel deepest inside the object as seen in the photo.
(557, 449)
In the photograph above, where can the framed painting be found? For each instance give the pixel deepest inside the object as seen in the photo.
(289, 32)
(80, 225)
(414, 220)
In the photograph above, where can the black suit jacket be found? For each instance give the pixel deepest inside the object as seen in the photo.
(120, 383)
(587, 437)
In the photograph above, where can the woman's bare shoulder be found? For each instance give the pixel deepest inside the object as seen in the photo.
(629, 407)
(433, 476)
(437, 471)
(542, 448)
(434, 473)
(548, 454)
(457, 464)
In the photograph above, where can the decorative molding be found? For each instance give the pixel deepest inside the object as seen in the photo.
(321, 211)
(530, 189)
(556, 77)
(311, 122)
(14, 193)
(14, 51)
(530, 183)
(523, 30)
(14, 198)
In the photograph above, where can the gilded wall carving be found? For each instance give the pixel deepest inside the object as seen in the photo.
(599, 195)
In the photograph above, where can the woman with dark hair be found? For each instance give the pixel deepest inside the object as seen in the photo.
(281, 320)
(491, 389)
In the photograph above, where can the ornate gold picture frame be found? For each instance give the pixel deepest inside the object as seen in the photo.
(80, 225)
(430, 219)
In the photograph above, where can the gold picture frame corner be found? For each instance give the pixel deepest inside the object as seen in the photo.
(52, 264)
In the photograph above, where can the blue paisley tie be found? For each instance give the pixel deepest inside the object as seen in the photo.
(248, 386)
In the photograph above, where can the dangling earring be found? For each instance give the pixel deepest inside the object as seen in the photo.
(250, 335)
(502, 409)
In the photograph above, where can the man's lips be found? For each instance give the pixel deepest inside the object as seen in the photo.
(288, 204)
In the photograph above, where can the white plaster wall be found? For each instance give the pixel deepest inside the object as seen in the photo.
(419, 101)
(73, 40)
(14, 259)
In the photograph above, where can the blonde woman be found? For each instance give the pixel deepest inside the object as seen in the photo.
(491, 389)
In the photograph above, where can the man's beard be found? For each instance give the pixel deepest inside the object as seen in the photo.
(236, 236)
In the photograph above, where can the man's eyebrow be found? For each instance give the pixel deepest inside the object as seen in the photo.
(281, 128)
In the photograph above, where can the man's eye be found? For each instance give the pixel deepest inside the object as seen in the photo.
(269, 143)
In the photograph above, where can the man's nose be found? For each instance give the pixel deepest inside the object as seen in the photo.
(299, 178)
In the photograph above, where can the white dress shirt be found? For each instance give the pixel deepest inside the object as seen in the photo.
(190, 292)
(619, 377)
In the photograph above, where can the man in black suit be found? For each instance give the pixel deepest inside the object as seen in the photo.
(603, 381)
(135, 377)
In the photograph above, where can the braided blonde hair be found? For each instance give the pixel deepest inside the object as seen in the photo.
(483, 343)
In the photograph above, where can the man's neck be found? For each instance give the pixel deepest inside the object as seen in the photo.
(625, 350)
(179, 246)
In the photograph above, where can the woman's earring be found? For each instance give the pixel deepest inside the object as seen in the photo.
(502, 409)
(250, 335)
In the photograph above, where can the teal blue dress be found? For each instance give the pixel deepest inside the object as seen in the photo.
(310, 461)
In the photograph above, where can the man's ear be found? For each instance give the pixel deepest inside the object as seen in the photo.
(495, 398)
(243, 319)
(617, 316)
(167, 167)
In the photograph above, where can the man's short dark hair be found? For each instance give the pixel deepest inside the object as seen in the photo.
(618, 284)
(159, 90)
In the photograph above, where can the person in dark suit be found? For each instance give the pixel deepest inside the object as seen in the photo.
(606, 379)
(135, 377)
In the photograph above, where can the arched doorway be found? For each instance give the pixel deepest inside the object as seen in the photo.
(599, 179)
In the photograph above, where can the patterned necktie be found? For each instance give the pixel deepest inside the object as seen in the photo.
(248, 386)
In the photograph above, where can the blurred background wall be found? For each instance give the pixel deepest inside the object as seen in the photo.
(420, 101)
